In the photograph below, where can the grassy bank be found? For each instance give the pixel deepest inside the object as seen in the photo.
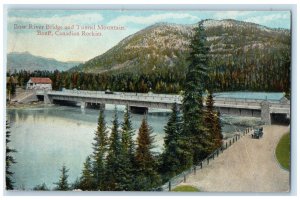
(185, 188)
(283, 153)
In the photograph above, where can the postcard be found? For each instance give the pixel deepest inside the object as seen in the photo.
(148, 100)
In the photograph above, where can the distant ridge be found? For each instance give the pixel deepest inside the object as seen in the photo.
(26, 61)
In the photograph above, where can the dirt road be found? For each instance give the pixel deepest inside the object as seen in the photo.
(249, 165)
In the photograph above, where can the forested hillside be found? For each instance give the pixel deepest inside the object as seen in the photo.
(243, 56)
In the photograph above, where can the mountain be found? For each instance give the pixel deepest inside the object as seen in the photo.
(26, 61)
(165, 46)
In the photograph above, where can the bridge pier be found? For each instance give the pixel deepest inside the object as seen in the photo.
(47, 99)
(265, 112)
(82, 105)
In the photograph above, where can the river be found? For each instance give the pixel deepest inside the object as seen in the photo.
(48, 136)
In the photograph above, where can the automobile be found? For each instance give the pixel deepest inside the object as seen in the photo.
(108, 92)
(258, 133)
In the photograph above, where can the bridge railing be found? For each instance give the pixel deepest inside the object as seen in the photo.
(163, 98)
(119, 96)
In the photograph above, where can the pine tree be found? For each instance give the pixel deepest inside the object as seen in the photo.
(99, 153)
(173, 154)
(87, 180)
(63, 184)
(128, 150)
(146, 165)
(210, 120)
(114, 168)
(195, 137)
(9, 161)
(127, 134)
(41, 187)
(218, 131)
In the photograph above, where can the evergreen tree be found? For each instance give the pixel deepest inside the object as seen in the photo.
(218, 131)
(63, 184)
(99, 153)
(11, 87)
(115, 175)
(173, 154)
(87, 180)
(128, 151)
(9, 161)
(146, 165)
(196, 141)
(42, 187)
(127, 134)
(210, 119)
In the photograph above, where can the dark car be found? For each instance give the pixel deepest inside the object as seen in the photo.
(258, 133)
(108, 92)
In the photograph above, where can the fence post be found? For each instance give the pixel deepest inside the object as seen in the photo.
(201, 165)
(213, 156)
(217, 152)
(170, 186)
(195, 169)
(184, 178)
(208, 161)
(229, 142)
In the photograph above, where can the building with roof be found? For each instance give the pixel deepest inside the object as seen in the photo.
(38, 83)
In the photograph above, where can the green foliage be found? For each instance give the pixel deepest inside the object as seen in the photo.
(173, 157)
(118, 176)
(9, 161)
(283, 151)
(196, 138)
(62, 184)
(147, 177)
(128, 151)
(212, 124)
(114, 139)
(100, 148)
(185, 188)
(87, 179)
(41, 187)
(127, 134)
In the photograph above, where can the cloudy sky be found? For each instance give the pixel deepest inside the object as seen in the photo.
(78, 48)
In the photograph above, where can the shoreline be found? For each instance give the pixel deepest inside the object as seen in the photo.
(23, 105)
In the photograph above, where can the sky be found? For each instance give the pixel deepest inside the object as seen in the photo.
(84, 47)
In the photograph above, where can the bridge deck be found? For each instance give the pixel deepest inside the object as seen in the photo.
(159, 100)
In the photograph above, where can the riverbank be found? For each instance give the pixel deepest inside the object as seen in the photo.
(249, 165)
(24, 105)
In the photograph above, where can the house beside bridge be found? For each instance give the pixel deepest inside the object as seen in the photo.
(38, 83)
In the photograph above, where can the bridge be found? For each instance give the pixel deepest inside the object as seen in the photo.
(140, 102)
